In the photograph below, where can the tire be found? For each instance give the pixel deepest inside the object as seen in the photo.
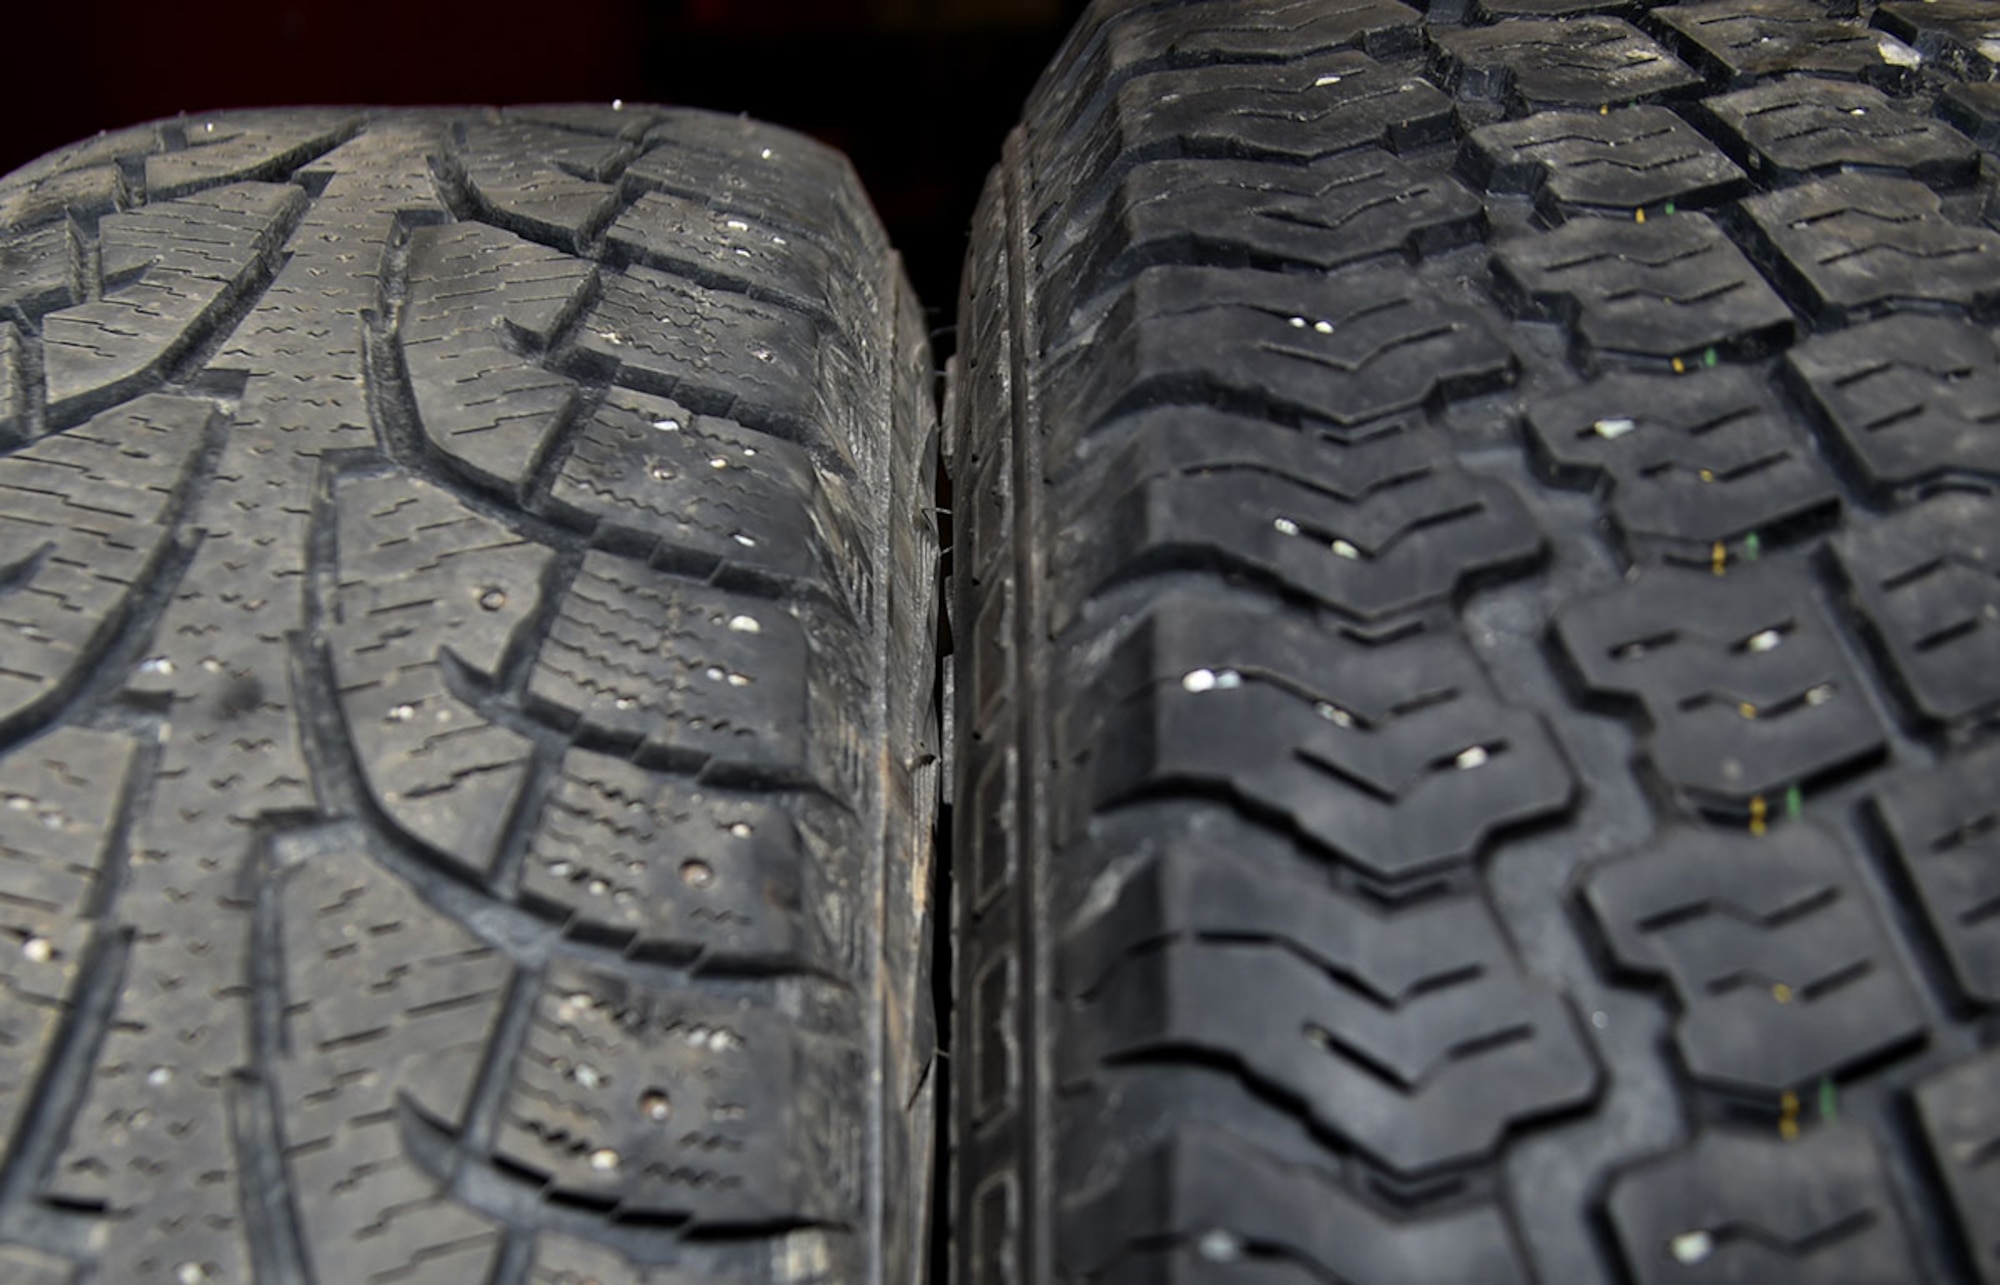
(467, 685)
(1480, 664)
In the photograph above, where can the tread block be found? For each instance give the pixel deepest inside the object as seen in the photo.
(1391, 1004)
(1218, 1196)
(1782, 973)
(40, 270)
(659, 1103)
(1396, 1084)
(1960, 34)
(422, 576)
(81, 181)
(1117, 43)
(80, 194)
(231, 147)
(1928, 580)
(1907, 400)
(171, 270)
(1346, 352)
(1741, 679)
(689, 238)
(617, 119)
(1585, 61)
(667, 871)
(1382, 525)
(1861, 242)
(86, 517)
(794, 184)
(1689, 461)
(653, 478)
(1957, 1107)
(661, 668)
(1973, 110)
(477, 296)
(1672, 288)
(210, 237)
(1800, 126)
(1630, 159)
(726, 355)
(1736, 41)
(1735, 1207)
(1294, 114)
(390, 1006)
(1332, 212)
(1397, 759)
(60, 799)
(1945, 828)
(549, 185)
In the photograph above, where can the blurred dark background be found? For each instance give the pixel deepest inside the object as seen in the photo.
(919, 92)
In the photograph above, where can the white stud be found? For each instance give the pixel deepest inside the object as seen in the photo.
(1691, 1247)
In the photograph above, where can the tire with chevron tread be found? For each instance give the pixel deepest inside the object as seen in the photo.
(466, 653)
(1477, 608)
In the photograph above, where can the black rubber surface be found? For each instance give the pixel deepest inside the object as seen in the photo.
(1478, 609)
(465, 668)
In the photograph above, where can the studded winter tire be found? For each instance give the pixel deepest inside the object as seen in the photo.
(1477, 599)
(465, 670)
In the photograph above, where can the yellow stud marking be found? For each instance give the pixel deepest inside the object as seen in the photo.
(1680, 367)
(1604, 109)
(1781, 992)
(1747, 710)
(1638, 216)
(1757, 815)
(1718, 557)
(1708, 475)
(1788, 1121)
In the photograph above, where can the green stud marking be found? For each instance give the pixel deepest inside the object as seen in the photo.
(1828, 1109)
(1795, 802)
(1709, 358)
(1670, 207)
(1751, 546)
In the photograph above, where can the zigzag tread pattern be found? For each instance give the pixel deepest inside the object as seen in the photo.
(1635, 158)
(1907, 400)
(1399, 643)
(1583, 61)
(1817, 1211)
(1945, 831)
(1783, 973)
(1794, 128)
(1859, 243)
(1739, 42)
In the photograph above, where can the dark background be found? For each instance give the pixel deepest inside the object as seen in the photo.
(919, 92)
